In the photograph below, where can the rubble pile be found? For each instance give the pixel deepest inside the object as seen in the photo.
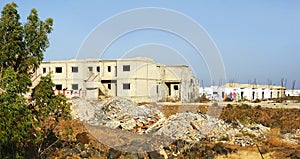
(292, 137)
(123, 114)
(116, 113)
(193, 127)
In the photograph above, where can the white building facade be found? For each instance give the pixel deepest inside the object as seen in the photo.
(291, 93)
(140, 79)
(236, 91)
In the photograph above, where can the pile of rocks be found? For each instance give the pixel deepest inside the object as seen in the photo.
(193, 127)
(123, 114)
(116, 113)
(293, 137)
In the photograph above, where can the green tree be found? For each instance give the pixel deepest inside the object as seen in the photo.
(26, 128)
(22, 46)
(48, 103)
(16, 119)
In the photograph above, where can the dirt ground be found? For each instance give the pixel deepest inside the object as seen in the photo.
(81, 144)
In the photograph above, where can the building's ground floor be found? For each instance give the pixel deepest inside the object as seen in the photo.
(138, 90)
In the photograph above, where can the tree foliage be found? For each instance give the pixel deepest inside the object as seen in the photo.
(26, 126)
(46, 102)
(22, 46)
(15, 125)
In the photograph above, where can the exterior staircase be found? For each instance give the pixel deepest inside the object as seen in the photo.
(94, 81)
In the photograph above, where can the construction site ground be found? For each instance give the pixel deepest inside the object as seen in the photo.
(281, 141)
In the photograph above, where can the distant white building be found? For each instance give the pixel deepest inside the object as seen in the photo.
(237, 91)
(292, 93)
(140, 79)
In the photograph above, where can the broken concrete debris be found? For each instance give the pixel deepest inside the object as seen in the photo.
(116, 113)
(119, 113)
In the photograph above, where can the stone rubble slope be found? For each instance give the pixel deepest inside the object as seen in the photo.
(126, 115)
(115, 113)
(193, 127)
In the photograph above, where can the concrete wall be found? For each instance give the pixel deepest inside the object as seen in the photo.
(106, 75)
(188, 84)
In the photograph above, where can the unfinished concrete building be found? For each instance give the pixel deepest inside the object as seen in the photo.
(140, 79)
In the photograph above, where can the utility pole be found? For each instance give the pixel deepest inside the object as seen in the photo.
(293, 84)
(254, 83)
(285, 82)
(282, 82)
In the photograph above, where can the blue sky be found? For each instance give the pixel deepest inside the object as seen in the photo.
(256, 39)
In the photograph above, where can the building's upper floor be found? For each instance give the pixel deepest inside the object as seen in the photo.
(89, 69)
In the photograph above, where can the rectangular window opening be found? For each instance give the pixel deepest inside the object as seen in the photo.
(126, 86)
(74, 69)
(175, 87)
(44, 70)
(90, 69)
(126, 67)
(74, 86)
(108, 68)
(98, 68)
(58, 69)
(58, 87)
(109, 86)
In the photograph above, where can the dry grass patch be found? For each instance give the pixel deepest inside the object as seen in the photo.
(275, 139)
(169, 110)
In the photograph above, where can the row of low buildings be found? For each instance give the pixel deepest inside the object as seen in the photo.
(236, 91)
(140, 79)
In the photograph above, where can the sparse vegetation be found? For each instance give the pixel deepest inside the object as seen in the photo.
(257, 100)
(203, 99)
(225, 138)
(284, 119)
(248, 134)
(227, 100)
